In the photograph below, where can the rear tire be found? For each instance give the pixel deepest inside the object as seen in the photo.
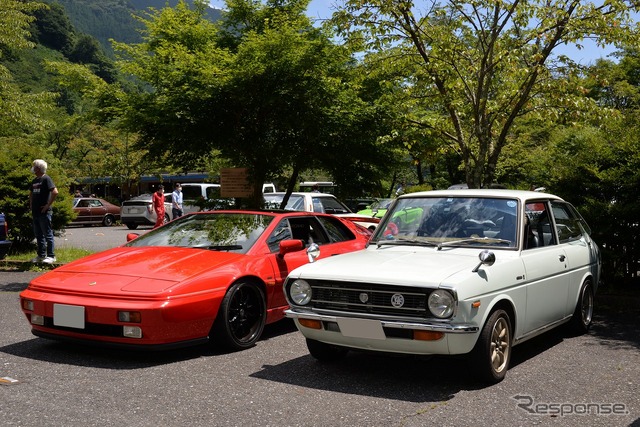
(108, 221)
(583, 315)
(492, 352)
(131, 226)
(324, 352)
(241, 317)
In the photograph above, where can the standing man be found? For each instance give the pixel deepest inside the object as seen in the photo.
(42, 194)
(176, 198)
(158, 205)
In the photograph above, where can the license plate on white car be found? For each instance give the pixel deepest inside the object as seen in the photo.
(70, 316)
(361, 328)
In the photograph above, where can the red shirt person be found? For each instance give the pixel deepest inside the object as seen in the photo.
(158, 205)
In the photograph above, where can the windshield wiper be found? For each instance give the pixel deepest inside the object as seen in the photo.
(487, 240)
(407, 242)
(219, 247)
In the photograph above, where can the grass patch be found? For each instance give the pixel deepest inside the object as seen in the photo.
(63, 255)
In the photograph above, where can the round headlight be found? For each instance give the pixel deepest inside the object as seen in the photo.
(300, 292)
(441, 304)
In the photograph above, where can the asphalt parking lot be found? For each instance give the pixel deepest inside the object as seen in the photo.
(556, 379)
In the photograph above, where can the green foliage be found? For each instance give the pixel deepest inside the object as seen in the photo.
(114, 19)
(16, 157)
(473, 69)
(274, 95)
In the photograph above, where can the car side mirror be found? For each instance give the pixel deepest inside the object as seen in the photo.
(131, 236)
(313, 252)
(487, 258)
(292, 245)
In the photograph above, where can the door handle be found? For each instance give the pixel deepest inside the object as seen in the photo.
(562, 258)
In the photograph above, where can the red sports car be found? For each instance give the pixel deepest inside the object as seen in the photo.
(211, 276)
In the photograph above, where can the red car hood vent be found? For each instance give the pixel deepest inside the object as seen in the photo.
(137, 270)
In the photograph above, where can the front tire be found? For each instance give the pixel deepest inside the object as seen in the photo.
(492, 352)
(583, 315)
(324, 352)
(241, 317)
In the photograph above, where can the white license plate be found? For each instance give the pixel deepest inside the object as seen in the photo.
(134, 210)
(361, 328)
(70, 316)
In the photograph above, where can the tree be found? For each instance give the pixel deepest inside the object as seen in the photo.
(266, 89)
(479, 67)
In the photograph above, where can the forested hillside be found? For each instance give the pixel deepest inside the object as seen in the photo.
(112, 19)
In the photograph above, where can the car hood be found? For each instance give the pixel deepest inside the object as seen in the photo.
(400, 266)
(136, 270)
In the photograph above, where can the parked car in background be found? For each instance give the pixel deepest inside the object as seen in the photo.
(377, 209)
(139, 211)
(318, 202)
(207, 276)
(5, 243)
(91, 210)
(477, 272)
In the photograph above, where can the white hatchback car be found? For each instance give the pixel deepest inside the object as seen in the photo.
(452, 272)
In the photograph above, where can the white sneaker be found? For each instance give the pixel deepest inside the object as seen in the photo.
(49, 260)
(37, 259)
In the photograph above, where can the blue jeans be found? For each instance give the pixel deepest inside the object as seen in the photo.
(44, 234)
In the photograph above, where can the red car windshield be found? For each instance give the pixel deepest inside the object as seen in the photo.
(233, 232)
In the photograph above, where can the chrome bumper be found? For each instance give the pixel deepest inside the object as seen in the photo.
(458, 328)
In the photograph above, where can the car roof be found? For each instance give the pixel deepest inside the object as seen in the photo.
(500, 193)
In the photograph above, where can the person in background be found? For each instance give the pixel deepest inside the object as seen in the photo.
(77, 194)
(176, 200)
(42, 194)
(158, 205)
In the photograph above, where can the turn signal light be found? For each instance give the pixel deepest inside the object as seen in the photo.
(427, 335)
(313, 324)
(129, 316)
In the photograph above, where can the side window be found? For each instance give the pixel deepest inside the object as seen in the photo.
(308, 229)
(567, 224)
(96, 203)
(83, 204)
(338, 232)
(539, 230)
(281, 232)
(332, 206)
(318, 206)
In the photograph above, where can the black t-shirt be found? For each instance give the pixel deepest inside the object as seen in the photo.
(40, 190)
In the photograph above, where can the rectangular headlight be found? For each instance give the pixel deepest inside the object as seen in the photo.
(36, 319)
(132, 331)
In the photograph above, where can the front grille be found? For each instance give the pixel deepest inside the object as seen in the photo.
(89, 329)
(370, 298)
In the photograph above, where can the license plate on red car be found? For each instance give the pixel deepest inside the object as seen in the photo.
(70, 316)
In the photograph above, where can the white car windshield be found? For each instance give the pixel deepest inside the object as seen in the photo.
(450, 221)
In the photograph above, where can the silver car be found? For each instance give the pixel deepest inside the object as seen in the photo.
(139, 211)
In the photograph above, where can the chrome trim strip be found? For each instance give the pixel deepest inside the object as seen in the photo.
(463, 328)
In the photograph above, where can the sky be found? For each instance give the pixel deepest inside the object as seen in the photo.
(322, 9)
